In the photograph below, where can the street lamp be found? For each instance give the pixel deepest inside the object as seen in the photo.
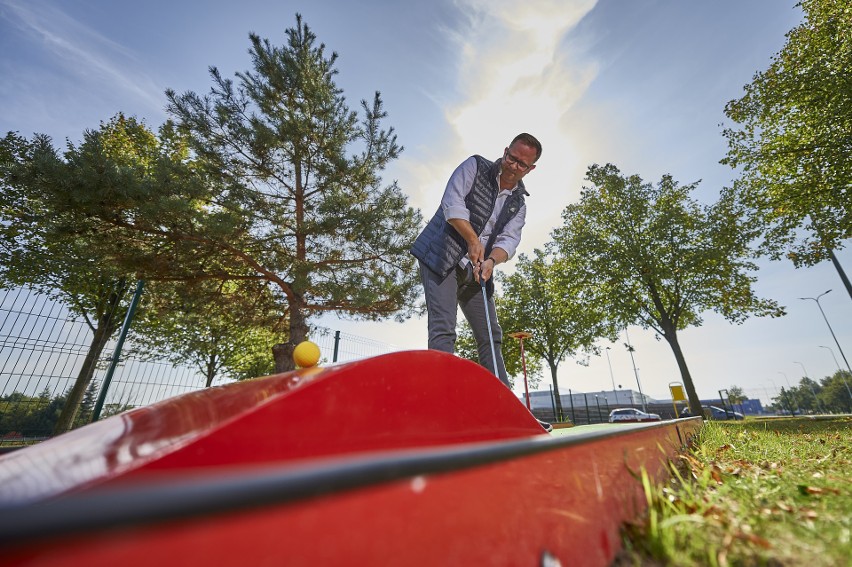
(775, 387)
(816, 300)
(839, 371)
(791, 387)
(635, 370)
(809, 382)
(611, 376)
(832, 356)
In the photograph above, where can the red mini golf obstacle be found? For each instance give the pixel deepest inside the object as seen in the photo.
(415, 458)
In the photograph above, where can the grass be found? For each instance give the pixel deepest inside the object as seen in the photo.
(771, 492)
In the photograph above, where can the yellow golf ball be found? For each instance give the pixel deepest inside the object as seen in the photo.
(306, 354)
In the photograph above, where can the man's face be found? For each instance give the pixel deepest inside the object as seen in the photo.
(517, 161)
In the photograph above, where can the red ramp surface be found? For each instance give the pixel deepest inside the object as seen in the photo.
(416, 458)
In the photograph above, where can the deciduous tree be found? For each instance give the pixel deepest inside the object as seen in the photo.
(792, 143)
(220, 328)
(55, 252)
(650, 255)
(544, 300)
(835, 392)
(736, 395)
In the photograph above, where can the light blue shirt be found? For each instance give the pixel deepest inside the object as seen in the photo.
(454, 207)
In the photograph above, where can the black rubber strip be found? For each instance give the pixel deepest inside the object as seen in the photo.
(197, 495)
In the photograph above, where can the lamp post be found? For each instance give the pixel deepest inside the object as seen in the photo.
(521, 335)
(832, 356)
(611, 376)
(809, 384)
(768, 397)
(635, 370)
(791, 387)
(839, 371)
(816, 300)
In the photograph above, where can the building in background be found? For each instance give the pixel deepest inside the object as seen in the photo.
(606, 398)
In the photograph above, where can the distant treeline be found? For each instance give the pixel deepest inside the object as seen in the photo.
(30, 418)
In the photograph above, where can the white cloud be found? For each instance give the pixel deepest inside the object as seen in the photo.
(513, 76)
(101, 64)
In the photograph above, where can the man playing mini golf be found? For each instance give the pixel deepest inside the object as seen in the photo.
(476, 227)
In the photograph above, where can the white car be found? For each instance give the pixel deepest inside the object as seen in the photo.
(627, 415)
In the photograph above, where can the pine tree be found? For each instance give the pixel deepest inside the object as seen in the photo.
(298, 197)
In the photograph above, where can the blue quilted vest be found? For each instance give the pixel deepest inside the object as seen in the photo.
(440, 247)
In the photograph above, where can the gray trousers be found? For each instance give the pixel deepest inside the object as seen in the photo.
(443, 297)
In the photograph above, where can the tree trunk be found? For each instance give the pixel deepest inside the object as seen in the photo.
(694, 401)
(556, 396)
(282, 353)
(108, 322)
(840, 272)
(210, 370)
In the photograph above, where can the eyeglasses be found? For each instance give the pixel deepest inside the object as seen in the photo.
(515, 161)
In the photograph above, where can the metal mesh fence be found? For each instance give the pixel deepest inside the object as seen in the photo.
(39, 345)
(337, 346)
(43, 347)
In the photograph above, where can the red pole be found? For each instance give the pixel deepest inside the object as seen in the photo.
(524, 363)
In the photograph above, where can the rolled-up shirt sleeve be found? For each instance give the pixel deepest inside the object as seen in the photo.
(458, 187)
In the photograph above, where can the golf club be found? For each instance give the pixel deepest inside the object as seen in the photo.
(547, 427)
(488, 324)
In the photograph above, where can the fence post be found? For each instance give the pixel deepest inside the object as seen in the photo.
(336, 345)
(96, 413)
(553, 403)
(573, 415)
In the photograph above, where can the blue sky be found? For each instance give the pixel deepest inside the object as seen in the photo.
(638, 83)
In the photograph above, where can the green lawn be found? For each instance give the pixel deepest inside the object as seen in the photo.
(758, 492)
